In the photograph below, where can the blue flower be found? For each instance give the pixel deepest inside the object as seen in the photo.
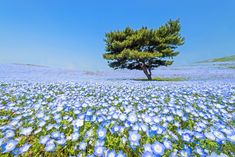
(99, 143)
(200, 151)
(148, 154)
(210, 136)
(158, 148)
(148, 148)
(82, 145)
(99, 150)
(75, 136)
(168, 145)
(134, 136)
(115, 128)
(9, 134)
(231, 137)
(26, 131)
(111, 153)
(55, 135)
(1, 141)
(121, 154)
(186, 137)
(132, 118)
(9, 146)
(24, 148)
(199, 135)
(61, 141)
(122, 117)
(50, 146)
(44, 139)
(101, 132)
(219, 135)
(160, 129)
(185, 153)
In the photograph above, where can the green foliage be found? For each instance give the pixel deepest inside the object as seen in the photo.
(148, 47)
(231, 67)
(223, 59)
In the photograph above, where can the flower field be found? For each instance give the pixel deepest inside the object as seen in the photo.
(117, 118)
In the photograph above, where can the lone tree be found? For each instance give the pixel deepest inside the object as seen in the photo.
(144, 49)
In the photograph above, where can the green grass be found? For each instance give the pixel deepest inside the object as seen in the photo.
(231, 67)
(161, 79)
(223, 59)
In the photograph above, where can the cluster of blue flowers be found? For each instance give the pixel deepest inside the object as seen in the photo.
(117, 119)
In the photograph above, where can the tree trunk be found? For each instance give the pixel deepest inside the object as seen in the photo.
(147, 71)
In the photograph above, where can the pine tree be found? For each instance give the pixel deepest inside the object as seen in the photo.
(143, 49)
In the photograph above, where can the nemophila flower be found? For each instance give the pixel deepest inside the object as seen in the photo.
(41, 123)
(134, 136)
(40, 115)
(99, 143)
(14, 122)
(9, 134)
(167, 144)
(219, 135)
(199, 135)
(184, 118)
(110, 153)
(231, 137)
(1, 141)
(160, 129)
(199, 129)
(122, 117)
(15, 152)
(61, 141)
(120, 154)
(147, 147)
(49, 127)
(210, 135)
(143, 127)
(156, 119)
(99, 151)
(115, 129)
(50, 146)
(24, 148)
(37, 131)
(177, 124)
(26, 131)
(55, 135)
(44, 139)
(169, 118)
(132, 118)
(200, 151)
(82, 145)
(9, 146)
(148, 154)
(124, 140)
(89, 133)
(185, 153)
(74, 136)
(136, 127)
(186, 137)
(46, 118)
(158, 148)
(78, 122)
(147, 119)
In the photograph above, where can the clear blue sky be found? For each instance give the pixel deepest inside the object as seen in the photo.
(70, 33)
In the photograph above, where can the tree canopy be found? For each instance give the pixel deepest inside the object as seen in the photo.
(143, 49)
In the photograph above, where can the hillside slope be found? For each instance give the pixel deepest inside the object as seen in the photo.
(222, 59)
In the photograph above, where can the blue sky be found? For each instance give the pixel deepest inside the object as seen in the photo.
(70, 34)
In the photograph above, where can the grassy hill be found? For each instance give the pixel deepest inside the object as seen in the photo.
(223, 59)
